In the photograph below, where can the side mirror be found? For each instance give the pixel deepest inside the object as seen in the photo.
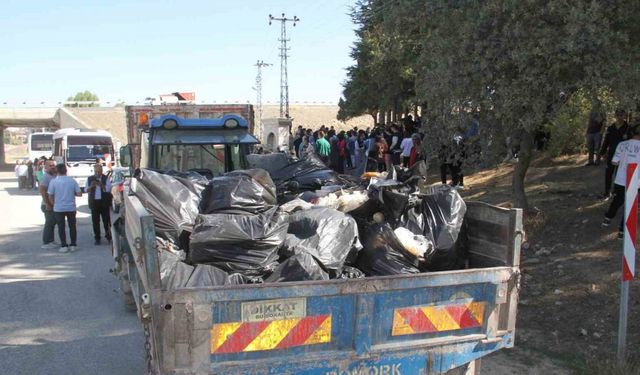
(125, 156)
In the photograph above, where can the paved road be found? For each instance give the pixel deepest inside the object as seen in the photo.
(59, 313)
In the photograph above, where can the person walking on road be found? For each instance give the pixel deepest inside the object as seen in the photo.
(49, 173)
(616, 133)
(63, 191)
(627, 152)
(99, 190)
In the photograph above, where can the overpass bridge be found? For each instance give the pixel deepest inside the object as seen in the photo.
(111, 119)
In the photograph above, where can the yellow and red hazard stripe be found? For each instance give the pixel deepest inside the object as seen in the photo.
(235, 337)
(430, 319)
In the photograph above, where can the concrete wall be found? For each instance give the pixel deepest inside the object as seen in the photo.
(313, 116)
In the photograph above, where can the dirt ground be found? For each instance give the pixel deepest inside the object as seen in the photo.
(571, 265)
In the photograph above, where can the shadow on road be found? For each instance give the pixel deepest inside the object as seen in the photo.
(62, 313)
(92, 355)
(17, 191)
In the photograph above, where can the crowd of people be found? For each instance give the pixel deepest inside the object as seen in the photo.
(28, 173)
(620, 147)
(356, 151)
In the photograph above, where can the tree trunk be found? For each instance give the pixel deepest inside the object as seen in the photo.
(524, 160)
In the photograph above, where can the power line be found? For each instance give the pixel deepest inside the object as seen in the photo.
(259, 64)
(284, 80)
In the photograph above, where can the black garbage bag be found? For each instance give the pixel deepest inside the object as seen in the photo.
(269, 162)
(300, 267)
(327, 234)
(351, 273)
(243, 243)
(441, 214)
(194, 181)
(250, 190)
(239, 279)
(439, 217)
(174, 273)
(412, 175)
(307, 174)
(205, 275)
(383, 254)
(174, 207)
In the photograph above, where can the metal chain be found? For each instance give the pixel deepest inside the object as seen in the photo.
(147, 345)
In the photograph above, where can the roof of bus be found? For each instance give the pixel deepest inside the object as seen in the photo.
(82, 132)
(40, 133)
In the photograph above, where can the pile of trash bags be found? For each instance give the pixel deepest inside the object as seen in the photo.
(299, 222)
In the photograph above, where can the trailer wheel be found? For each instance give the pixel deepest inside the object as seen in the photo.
(471, 368)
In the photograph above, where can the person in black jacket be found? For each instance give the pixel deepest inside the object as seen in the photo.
(616, 133)
(99, 191)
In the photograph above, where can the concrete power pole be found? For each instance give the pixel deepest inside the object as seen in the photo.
(284, 84)
(260, 64)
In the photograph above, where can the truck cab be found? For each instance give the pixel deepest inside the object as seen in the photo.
(209, 146)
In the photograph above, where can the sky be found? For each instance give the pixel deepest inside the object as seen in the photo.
(131, 50)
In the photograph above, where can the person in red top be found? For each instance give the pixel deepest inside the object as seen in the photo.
(415, 150)
(342, 152)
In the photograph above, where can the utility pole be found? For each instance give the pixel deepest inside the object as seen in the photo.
(284, 84)
(260, 64)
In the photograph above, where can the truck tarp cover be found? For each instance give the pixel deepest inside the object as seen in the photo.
(250, 190)
(327, 234)
(244, 243)
(174, 207)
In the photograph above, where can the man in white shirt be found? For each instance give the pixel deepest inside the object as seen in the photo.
(22, 172)
(406, 145)
(627, 152)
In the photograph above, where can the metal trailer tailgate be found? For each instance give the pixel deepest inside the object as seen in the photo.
(389, 325)
(404, 324)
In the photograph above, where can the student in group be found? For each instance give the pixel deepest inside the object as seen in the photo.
(406, 145)
(63, 191)
(323, 148)
(626, 152)
(616, 133)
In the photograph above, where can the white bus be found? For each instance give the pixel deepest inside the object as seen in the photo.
(80, 149)
(40, 144)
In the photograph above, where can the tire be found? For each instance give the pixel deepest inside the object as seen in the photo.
(125, 286)
(471, 368)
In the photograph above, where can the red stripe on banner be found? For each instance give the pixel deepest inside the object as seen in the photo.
(631, 169)
(299, 334)
(462, 315)
(632, 221)
(242, 337)
(417, 320)
(626, 272)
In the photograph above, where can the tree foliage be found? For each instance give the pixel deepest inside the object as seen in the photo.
(517, 63)
(83, 96)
